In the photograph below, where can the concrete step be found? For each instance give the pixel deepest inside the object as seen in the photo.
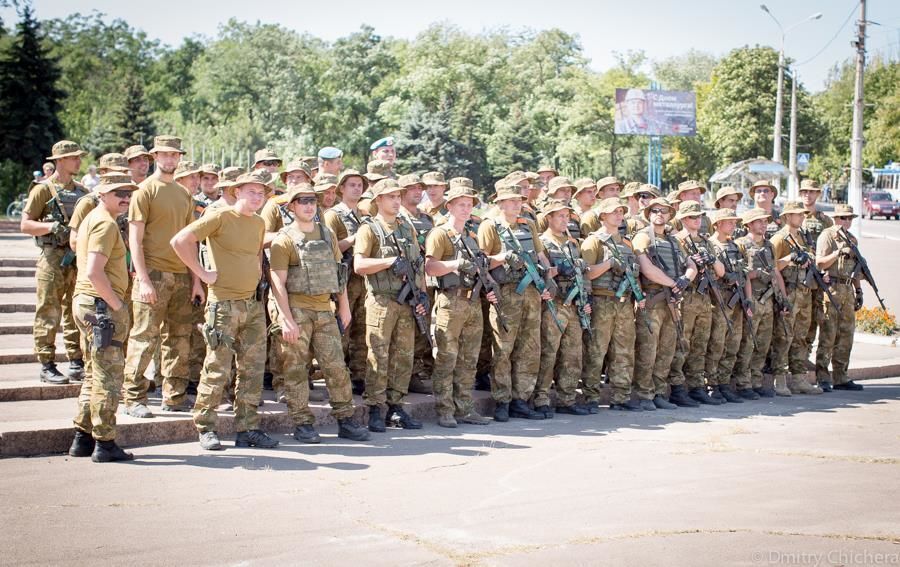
(16, 324)
(19, 302)
(14, 284)
(14, 272)
(17, 262)
(19, 349)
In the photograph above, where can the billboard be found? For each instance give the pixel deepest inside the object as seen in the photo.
(655, 113)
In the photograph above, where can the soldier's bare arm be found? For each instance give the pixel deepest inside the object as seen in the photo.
(96, 262)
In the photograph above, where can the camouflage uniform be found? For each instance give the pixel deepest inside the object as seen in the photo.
(458, 331)
(655, 346)
(789, 352)
(836, 332)
(354, 340)
(561, 349)
(516, 352)
(423, 359)
(390, 326)
(723, 348)
(813, 226)
(55, 282)
(750, 362)
(688, 364)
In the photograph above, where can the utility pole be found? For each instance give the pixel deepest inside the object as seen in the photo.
(854, 190)
(794, 181)
(779, 111)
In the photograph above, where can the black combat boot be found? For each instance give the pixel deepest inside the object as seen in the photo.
(82, 445)
(520, 409)
(348, 428)
(501, 412)
(397, 417)
(573, 409)
(700, 395)
(765, 392)
(254, 438)
(679, 397)
(730, 395)
(51, 374)
(662, 403)
(306, 433)
(547, 411)
(76, 370)
(629, 405)
(747, 393)
(109, 452)
(849, 385)
(376, 423)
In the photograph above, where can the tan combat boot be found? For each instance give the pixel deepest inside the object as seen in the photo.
(781, 387)
(799, 385)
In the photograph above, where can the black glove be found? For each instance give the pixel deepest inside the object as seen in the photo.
(616, 266)
(799, 258)
(698, 260)
(513, 261)
(859, 300)
(707, 258)
(400, 267)
(466, 267)
(681, 283)
(746, 304)
(565, 270)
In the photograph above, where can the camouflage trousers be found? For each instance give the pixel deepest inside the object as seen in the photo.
(818, 315)
(275, 347)
(613, 325)
(517, 353)
(390, 337)
(103, 372)
(654, 349)
(198, 345)
(836, 335)
(688, 364)
(319, 338)
(486, 352)
(240, 326)
(789, 351)
(356, 353)
(55, 286)
(750, 361)
(560, 356)
(423, 358)
(167, 322)
(723, 347)
(458, 328)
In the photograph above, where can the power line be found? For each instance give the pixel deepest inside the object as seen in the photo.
(834, 37)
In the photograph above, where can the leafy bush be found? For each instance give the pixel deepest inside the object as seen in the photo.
(876, 320)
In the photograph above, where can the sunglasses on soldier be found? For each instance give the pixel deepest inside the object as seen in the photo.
(305, 200)
(644, 195)
(656, 211)
(271, 163)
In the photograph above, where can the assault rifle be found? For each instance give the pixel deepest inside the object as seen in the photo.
(811, 271)
(861, 264)
(411, 295)
(484, 280)
(532, 273)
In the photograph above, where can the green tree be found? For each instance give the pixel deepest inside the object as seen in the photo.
(134, 124)
(425, 143)
(30, 101)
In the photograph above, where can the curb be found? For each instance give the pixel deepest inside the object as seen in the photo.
(871, 339)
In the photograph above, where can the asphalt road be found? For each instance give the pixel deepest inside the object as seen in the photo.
(800, 481)
(880, 243)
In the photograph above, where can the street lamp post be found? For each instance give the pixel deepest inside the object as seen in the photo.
(779, 97)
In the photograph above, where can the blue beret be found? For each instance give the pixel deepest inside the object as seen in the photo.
(389, 141)
(330, 152)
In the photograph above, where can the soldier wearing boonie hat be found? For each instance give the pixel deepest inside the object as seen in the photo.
(505, 238)
(307, 273)
(55, 273)
(383, 245)
(608, 187)
(235, 238)
(163, 288)
(760, 260)
(378, 169)
(423, 362)
(326, 188)
(95, 419)
(330, 160)
(794, 259)
(561, 350)
(724, 343)
(384, 149)
(585, 196)
(459, 324)
(547, 173)
(344, 219)
(612, 318)
(209, 176)
(267, 159)
(295, 173)
(435, 186)
(834, 255)
(187, 174)
(763, 194)
(113, 162)
(688, 364)
(664, 276)
(139, 160)
(815, 223)
(727, 198)
(560, 189)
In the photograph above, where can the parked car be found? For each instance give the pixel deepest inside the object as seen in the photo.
(880, 204)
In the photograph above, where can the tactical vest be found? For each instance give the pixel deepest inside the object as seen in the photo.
(792, 275)
(813, 226)
(317, 273)
(67, 199)
(611, 281)
(423, 225)
(665, 253)
(738, 262)
(385, 282)
(452, 280)
(844, 266)
(702, 244)
(348, 217)
(574, 226)
(522, 232)
(761, 259)
(199, 206)
(773, 226)
(561, 256)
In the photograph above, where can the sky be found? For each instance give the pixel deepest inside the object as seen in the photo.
(660, 28)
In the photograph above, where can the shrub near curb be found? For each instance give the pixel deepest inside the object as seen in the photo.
(876, 320)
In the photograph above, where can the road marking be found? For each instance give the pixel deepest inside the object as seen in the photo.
(882, 236)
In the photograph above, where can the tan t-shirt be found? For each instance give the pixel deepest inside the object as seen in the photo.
(271, 214)
(333, 221)
(284, 254)
(83, 206)
(438, 244)
(367, 244)
(234, 242)
(489, 239)
(99, 233)
(38, 196)
(164, 208)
